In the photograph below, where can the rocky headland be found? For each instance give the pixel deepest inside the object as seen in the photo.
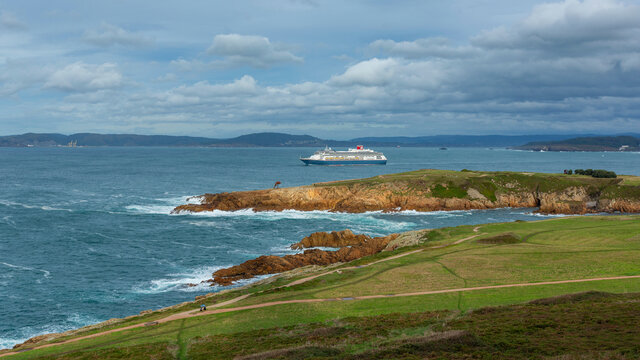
(351, 247)
(433, 190)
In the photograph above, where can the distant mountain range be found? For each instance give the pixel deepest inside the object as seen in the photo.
(597, 143)
(89, 139)
(462, 140)
(276, 140)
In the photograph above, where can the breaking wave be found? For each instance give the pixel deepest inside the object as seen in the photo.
(163, 206)
(26, 268)
(27, 206)
(179, 281)
(72, 321)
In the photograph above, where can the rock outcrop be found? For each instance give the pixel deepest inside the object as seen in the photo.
(360, 246)
(552, 193)
(336, 239)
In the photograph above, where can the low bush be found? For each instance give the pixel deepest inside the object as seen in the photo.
(596, 173)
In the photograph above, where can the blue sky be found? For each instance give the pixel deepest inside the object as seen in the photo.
(334, 69)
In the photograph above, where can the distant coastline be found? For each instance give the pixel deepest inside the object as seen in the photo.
(268, 139)
(440, 190)
(598, 143)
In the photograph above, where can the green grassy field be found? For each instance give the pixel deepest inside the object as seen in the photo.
(444, 324)
(455, 184)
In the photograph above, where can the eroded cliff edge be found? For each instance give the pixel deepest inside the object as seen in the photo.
(351, 247)
(432, 190)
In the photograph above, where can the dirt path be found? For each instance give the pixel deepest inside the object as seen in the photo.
(178, 316)
(303, 280)
(191, 313)
(194, 313)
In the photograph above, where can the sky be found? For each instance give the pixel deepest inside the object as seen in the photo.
(332, 69)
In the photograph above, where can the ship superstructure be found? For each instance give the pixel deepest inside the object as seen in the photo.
(357, 156)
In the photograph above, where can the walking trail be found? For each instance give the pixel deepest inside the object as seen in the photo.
(216, 310)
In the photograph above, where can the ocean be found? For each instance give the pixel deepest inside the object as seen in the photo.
(86, 234)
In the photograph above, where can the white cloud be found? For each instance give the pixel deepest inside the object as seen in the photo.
(242, 87)
(567, 65)
(9, 21)
(85, 77)
(569, 24)
(256, 51)
(374, 72)
(437, 47)
(109, 35)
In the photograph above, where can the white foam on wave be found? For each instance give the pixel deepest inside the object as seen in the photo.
(531, 213)
(197, 245)
(7, 220)
(373, 219)
(213, 224)
(73, 321)
(181, 200)
(179, 281)
(164, 206)
(433, 213)
(150, 209)
(46, 273)
(27, 206)
(367, 221)
(283, 250)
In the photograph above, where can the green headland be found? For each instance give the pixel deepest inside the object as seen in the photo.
(565, 288)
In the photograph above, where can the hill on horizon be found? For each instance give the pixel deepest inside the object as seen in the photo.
(597, 143)
(272, 139)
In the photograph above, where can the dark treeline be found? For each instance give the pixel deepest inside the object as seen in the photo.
(598, 173)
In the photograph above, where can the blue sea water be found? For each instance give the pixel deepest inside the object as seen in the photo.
(86, 234)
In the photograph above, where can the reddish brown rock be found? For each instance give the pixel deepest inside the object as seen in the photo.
(574, 196)
(270, 264)
(333, 239)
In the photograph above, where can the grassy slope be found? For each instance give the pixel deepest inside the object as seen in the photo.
(569, 248)
(454, 184)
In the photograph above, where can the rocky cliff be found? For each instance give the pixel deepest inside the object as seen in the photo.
(358, 246)
(431, 190)
(336, 239)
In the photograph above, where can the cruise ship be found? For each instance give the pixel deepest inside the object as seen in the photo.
(357, 156)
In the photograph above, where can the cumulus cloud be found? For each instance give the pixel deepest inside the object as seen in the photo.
(9, 21)
(85, 77)
(19, 75)
(568, 25)
(565, 66)
(110, 35)
(204, 92)
(525, 71)
(256, 51)
(438, 47)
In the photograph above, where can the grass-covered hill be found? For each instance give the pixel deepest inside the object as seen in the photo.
(91, 139)
(458, 293)
(430, 190)
(596, 143)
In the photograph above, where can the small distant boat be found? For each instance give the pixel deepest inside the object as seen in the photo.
(357, 156)
(443, 148)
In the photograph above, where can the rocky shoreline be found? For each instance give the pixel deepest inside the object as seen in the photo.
(433, 191)
(351, 247)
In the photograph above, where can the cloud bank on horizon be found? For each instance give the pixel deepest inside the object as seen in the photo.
(327, 68)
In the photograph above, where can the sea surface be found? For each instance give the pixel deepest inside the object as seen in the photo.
(86, 234)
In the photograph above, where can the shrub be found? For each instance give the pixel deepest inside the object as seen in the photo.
(596, 173)
(603, 174)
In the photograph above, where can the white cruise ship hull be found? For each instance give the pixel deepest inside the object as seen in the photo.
(343, 162)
